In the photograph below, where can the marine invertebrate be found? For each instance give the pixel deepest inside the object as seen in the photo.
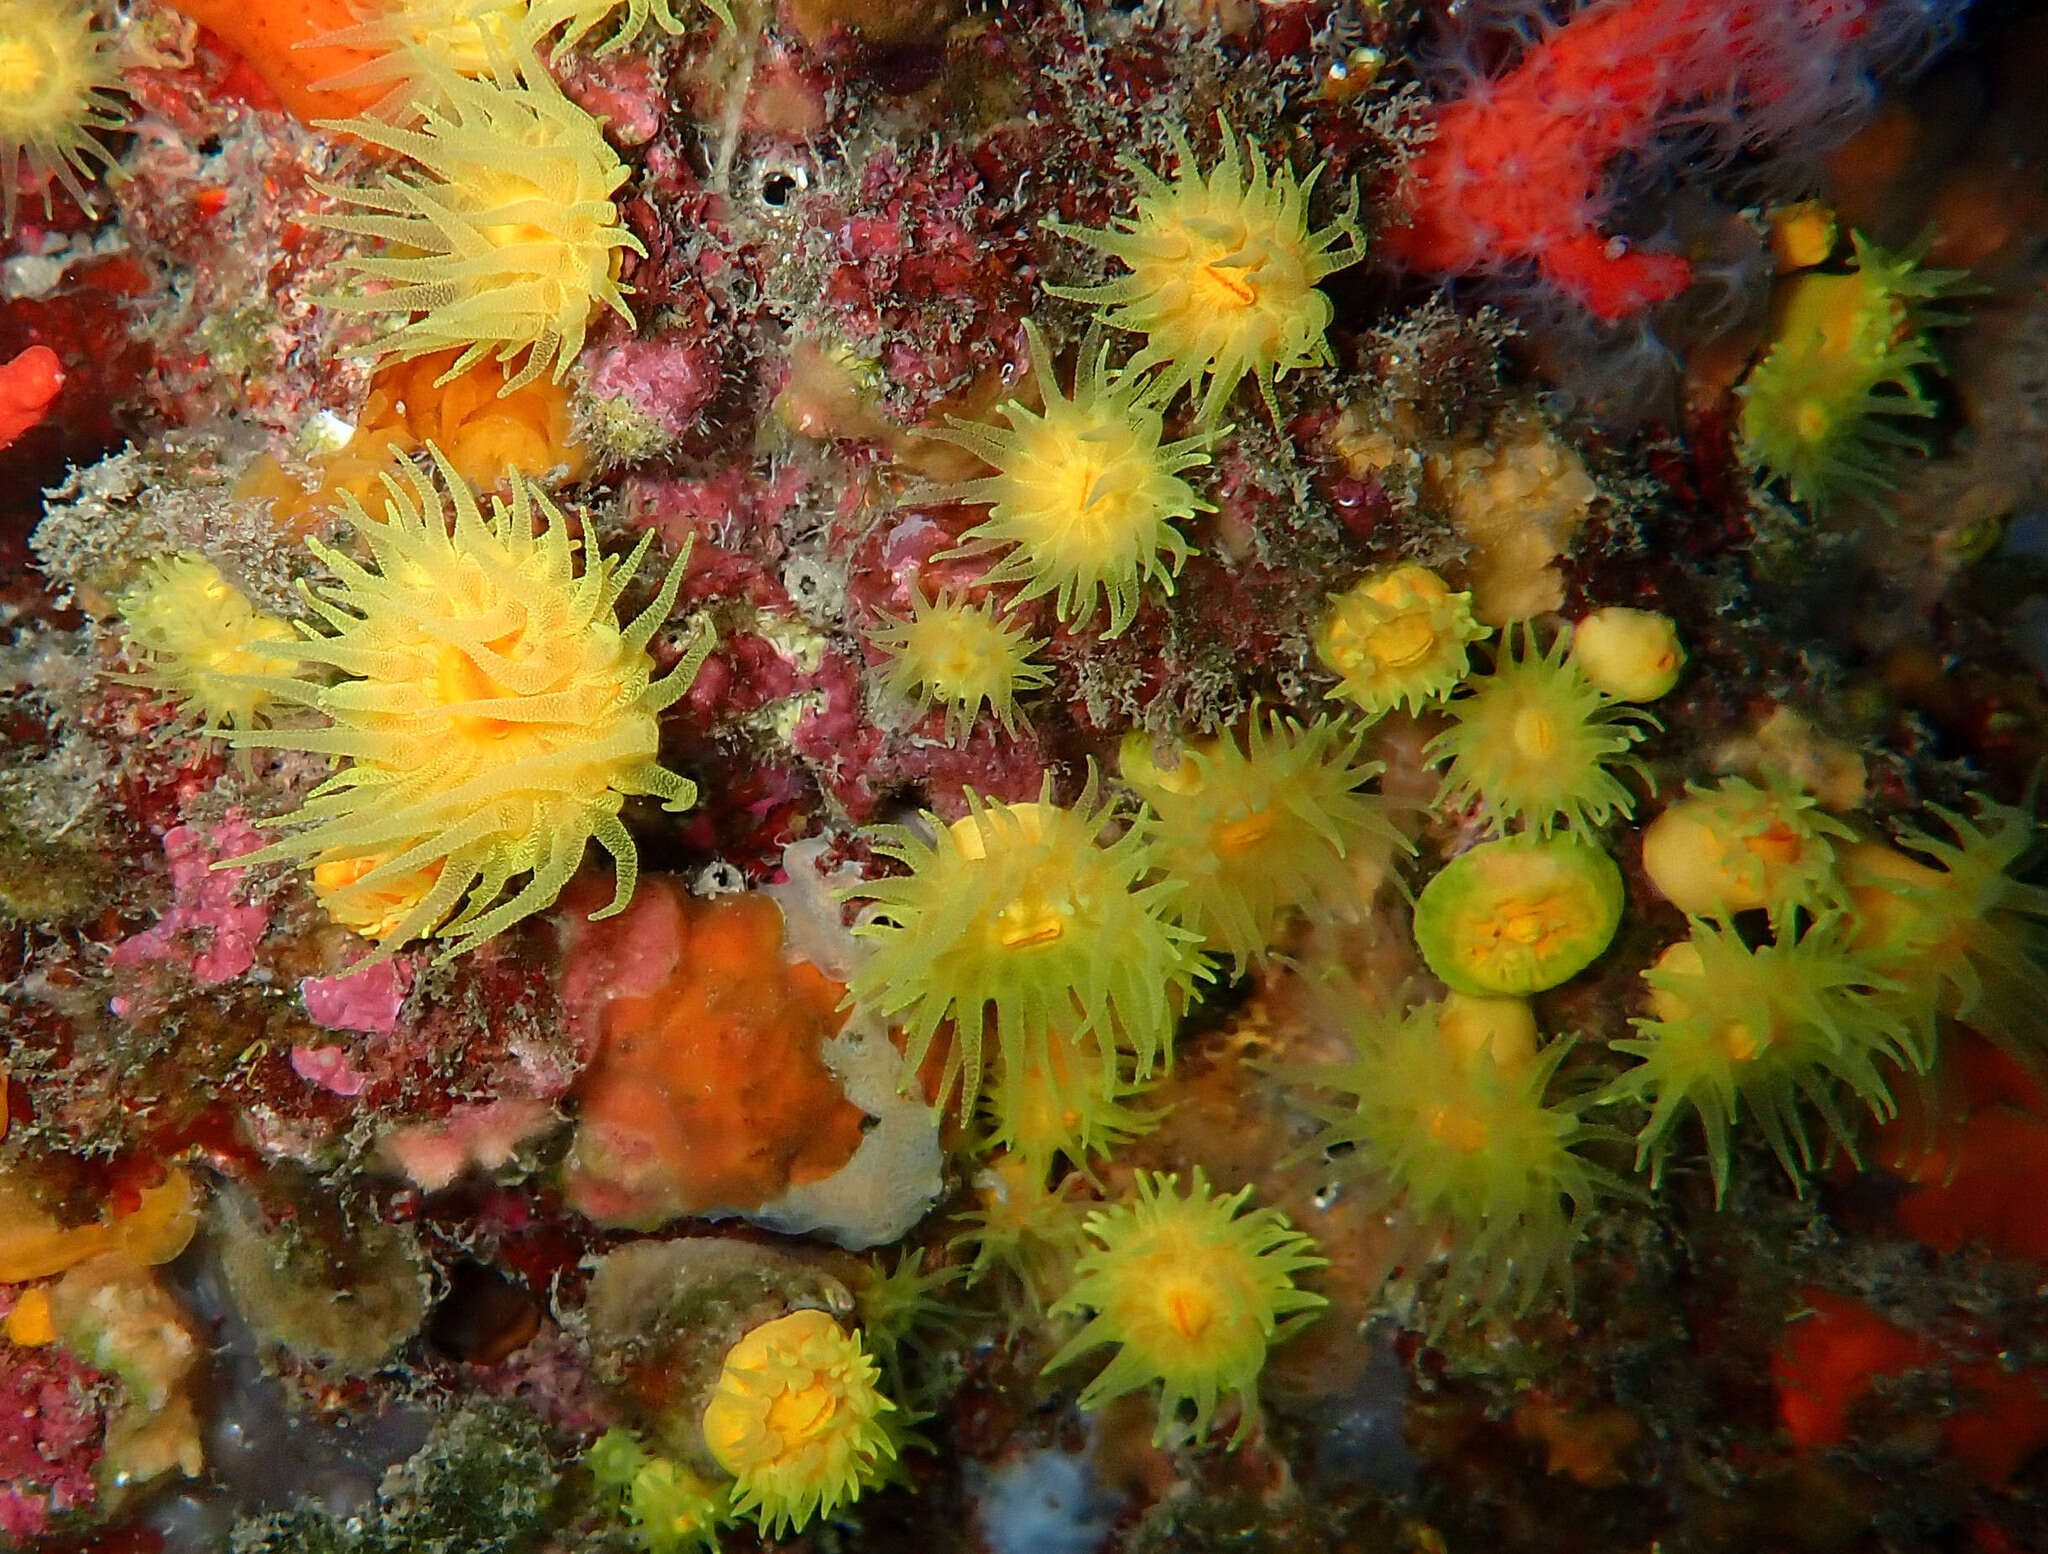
(493, 713)
(1471, 1141)
(1224, 268)
(1073, 1102)
(673, 1508)
(964, 657)
(1024, 1224)
(1770, 1027)
(707, 1088)
(1631, 655)
(1735, 847)
(59, 91)
(1397, 638)
(202, 642)
(1193, 1291)
(796, 1419)
(1951, 929)
(29, 385)
(1268, 820)
(1848, 355)
(1084, 495)
(1531, 743)
(1000, 924)
(503, 240)
(1517, 497)
(1519, 915)
(1515, 170)
(409, 45)
(574, 20)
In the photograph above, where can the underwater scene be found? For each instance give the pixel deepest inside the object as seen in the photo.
(1023, 776)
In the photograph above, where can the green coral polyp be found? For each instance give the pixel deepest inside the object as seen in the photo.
(1849, 357)
(1781, 1029)
(1519, 915)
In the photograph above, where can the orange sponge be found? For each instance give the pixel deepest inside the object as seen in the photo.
(278, 39)
(709, 1090)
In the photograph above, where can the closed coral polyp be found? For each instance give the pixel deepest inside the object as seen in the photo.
(1224, 269)
(1518, 915)
(58, 89)
(504, 240)
(1396, 639)
(493, 714)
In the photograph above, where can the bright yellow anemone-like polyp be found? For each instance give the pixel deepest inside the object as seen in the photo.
(1024, 920)
(503, 240)
(1769, 1027)
(1224, 269)
(1263, 823)
(795, 1418)
(961, 656)
(203, 641)
(1084, 496)
(1193, 1291)
(1397, 638)
(491, 713)
(1448, 1114)
(1735, 847)
(1532, 743)
(58, 88)
(576, 19)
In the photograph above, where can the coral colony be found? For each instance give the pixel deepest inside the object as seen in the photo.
(1040, 776)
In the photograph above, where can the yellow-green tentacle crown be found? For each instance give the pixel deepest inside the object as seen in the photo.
(1085, 496)
(58, 88)
(1224, 269)
(491, 713)
(1193, 1291)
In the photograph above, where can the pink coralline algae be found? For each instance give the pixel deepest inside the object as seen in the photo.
(670, 382)
(330, 1068)
(368, 1000)
(1516, 169)
(208, 929)
(52, 1421)
(483, 1137)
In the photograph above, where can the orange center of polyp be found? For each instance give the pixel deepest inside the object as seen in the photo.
(1238, 835)
(21, 69)
(1189, 1312)
(1027, 921)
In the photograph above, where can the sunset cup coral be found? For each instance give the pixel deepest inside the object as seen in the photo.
(202, 641)
(1223, 273)
(1085, 496)
(503, 240)
(960, 656)
(1519, 915)
(1397, 638)
(796, 1419)
(1780, 1029)
(59, 91)
(492, 714)
(1631, 655)
(1265, 822)
(1026, 920)
(1532, 742)
(1073, 1103)
(1735, 847)
(1451, 1118)
(1193, 1291)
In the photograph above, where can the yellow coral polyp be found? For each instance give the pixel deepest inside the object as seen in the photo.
(1224, 273)
(1532, 741)
(1266, 822)
(1951, 929)
(573, 20)
(1085, 496)
(961, 656)
(1451, 1119)
(492, 714)
(1631, 655)
(1518, 915)
(1777, 1028)
(1193, 1291)
(203, 642)
(1003, 921)
(1736, 847)
(505, 238)
(796, 1419)
(59, 91)
(1397, 638)
(1074, 1103)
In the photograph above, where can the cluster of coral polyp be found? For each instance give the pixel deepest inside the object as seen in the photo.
(919, 775)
